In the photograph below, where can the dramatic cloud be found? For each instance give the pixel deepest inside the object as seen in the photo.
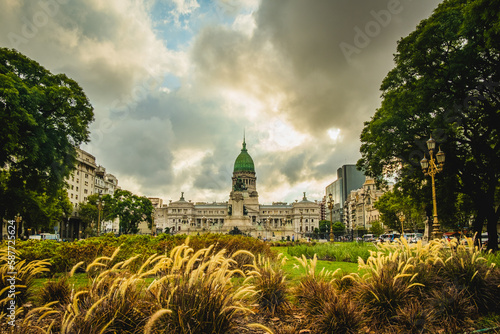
(175, 83)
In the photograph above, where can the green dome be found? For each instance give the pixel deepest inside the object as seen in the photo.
(244, 162)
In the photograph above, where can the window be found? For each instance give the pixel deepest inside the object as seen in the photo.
(76, 188)
(86, 175)
(84, 191)
(76, 197)
(71, 195)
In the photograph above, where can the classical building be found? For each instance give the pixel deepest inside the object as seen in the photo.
(241, 213)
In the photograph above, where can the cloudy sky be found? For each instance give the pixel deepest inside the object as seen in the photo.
(175, 83)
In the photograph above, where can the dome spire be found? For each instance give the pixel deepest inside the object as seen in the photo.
(244, 162)
(244, 143)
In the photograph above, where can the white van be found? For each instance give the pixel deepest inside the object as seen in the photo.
(369, 238)
(50, 236)
(45, 236)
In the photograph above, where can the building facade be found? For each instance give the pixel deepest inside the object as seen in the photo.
(359, 208)
(348, 179)
(87, 178)
(242, 213)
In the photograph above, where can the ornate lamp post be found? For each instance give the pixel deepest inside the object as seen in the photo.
(429, 167)
(330, 207)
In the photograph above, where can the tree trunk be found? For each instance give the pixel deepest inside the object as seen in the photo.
(491, 227)
(477, 227)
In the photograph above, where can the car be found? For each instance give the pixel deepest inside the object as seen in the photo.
(389, 237)
(369, 238)
(414, 237)
(484, 238)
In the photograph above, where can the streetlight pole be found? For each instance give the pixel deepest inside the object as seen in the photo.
(430, 168)
(330, 206)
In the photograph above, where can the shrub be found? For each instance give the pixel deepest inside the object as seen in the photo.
(452, 308)
(196, 293)
(413, 318)
(339, 315)
(313, 294)
(55, 291)
(269, 281)
(388, 285)
(121, 308)
(21, 281)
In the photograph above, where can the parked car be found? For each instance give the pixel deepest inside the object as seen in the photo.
(389, 237)
(414, 237)
(369, 238)
(484, 238)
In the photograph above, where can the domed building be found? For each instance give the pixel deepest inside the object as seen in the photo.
(242, 213)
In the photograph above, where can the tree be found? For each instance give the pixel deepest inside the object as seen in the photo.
(377, 228)
(398, 210)
(338, 228)
(44, 116)
(89, 211)
(131, 210)
(44, 212)
(445, 84)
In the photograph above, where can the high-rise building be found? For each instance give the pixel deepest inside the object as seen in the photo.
(348, 179)
(86, 179)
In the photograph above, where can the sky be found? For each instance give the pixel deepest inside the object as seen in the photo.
(176, 84)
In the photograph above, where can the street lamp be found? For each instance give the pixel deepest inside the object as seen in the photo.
(330, 207)
(429, 167)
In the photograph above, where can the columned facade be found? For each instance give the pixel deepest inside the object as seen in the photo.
(242, 212)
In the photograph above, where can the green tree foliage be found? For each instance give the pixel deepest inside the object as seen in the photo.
(399, 211)
(377, 228)
(131, 210)
(44, 116)
(445, 83)
(338, 228)
(324, 226)
(89, 211)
